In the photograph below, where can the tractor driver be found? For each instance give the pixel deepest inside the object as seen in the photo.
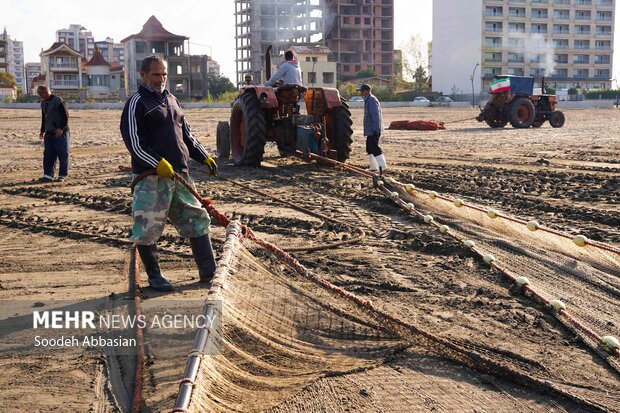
(288, 72)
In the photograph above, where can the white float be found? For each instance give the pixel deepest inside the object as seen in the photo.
(557, 305)
(410, 187)
(458, 203)
(432, 195)
(580, 240)
(492, 213)
(488, 258)
(428, 219)
(469, 243)
(533, 225)
(443, 229)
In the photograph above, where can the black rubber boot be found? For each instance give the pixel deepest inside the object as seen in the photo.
(150, 260)
(203, 254)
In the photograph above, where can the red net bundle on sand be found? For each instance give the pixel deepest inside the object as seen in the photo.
(416, 125)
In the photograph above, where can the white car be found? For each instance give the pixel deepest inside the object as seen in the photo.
(421, 101)
(356, 99)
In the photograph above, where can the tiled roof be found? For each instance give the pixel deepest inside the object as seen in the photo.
(57, 46)
(97, 59)
(153, 30)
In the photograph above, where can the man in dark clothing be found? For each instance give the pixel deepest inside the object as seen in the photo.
(55, 135)
(158, 137)
(373, 126)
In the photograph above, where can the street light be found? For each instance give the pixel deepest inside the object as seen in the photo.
(473, 103)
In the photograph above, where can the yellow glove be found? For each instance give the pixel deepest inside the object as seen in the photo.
(212, 166)
(164, 169)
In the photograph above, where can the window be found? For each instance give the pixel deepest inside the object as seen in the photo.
(537, 58)
(582, 44)
(492, 57)
(539, 14)
(604, 30)
(580, 73)
(603, 44)
(560, 29)
(493, 26)
(561, 14)
(560, 73)
(516, 58)
(539, 28)
(516, 42)
(516, 27)
(494, 11)
(583, 15)
(516, 71)
(602, 59)
(581, 29)
(140, 47)
(601, 73)
(560, 58)
(312, 77)
(603, 15)
(581, 59)
(560, 43)
(537, 71)
(493, 41)
(516, 12)
(328, 77)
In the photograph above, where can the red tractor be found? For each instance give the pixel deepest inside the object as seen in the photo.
(262, 114)
(513, 100)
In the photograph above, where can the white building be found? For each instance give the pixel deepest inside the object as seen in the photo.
(568, 41)
(32, 70)
(13, 59)
(78, 38)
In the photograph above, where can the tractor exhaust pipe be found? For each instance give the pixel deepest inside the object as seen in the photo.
(268, 63)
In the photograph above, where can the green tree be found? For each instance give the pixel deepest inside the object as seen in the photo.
(348, 89)
(368, 72)
(7, 79)
(219, 85)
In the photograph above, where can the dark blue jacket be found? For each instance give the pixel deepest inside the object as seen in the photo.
(54, 115)
(154, 127)
(372, 116)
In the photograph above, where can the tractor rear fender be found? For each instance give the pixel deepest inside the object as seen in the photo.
(320, 101)
(332, 98)
(265, 94)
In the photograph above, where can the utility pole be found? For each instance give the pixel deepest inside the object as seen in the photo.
(473, 102)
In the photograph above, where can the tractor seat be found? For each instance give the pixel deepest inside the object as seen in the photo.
(289, 86)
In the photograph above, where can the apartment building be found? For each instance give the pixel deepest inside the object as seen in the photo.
(570, 42)
(12, 59)
(33, 69)
(110, 51)
(62, 66)
(360, 34)
(78, 38)
(280, 24)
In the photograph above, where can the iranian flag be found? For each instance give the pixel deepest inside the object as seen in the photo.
(500, 85)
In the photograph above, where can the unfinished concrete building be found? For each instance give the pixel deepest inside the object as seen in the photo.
(360, 33)
(282, 23)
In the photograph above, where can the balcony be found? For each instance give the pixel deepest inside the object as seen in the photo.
(64, 84)
(64, 67)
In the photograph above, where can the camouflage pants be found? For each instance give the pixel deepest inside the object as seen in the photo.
(155, 199)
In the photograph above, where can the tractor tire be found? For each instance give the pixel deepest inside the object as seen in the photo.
(222, 140)
(496, 123)
(556, 119)
(248, 131)
(521, 113)
(340, 130)
(537, 123)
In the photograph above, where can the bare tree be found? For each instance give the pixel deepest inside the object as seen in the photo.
(415, 61)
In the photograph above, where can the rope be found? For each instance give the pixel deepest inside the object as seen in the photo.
(360, 231)
(134, 290)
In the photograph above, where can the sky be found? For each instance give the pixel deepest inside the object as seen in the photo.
(209, 24)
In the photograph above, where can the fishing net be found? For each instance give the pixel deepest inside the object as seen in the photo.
(586, 279)
(280, 332)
